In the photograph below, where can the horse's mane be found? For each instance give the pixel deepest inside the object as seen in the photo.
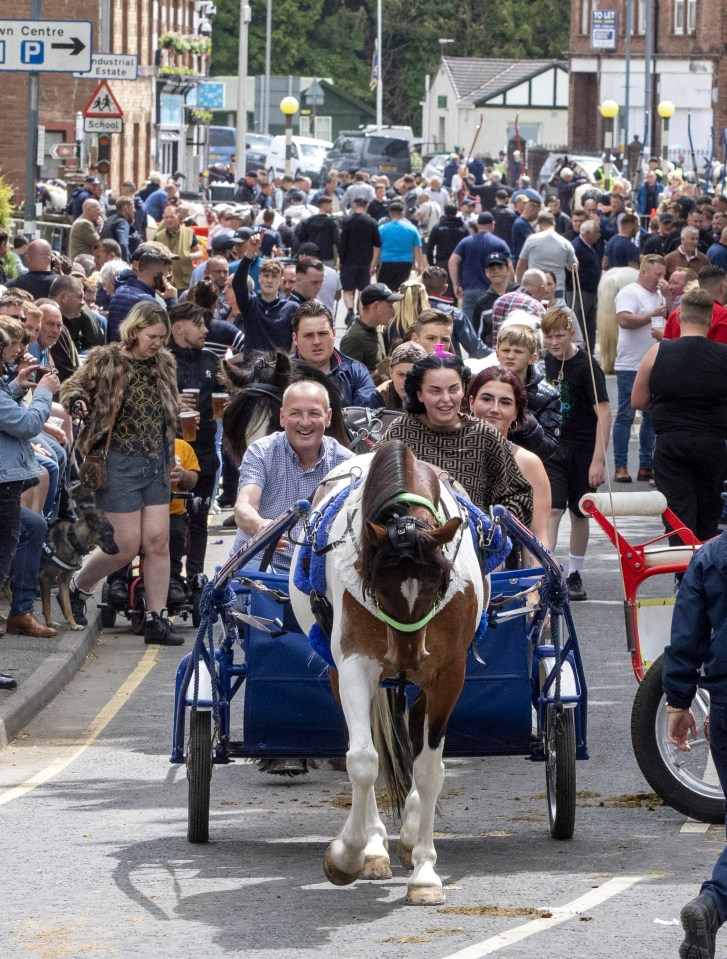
(386, 477)
(257, 395)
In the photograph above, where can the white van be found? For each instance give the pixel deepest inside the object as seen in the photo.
(306, 157)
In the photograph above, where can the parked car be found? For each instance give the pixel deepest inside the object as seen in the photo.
(435, 166)
(223, 147)
(385, 150)
(306, 157)
(582, 165)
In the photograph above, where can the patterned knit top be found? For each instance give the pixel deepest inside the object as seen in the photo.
(475, 455)
(139, 426)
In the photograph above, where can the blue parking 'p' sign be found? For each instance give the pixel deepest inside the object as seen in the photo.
(32, 51)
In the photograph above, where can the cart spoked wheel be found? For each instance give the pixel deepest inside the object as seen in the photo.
(108, 613)
(686, 781)
(138, 612)
(199, 774)
(560, 771)
(196, 614)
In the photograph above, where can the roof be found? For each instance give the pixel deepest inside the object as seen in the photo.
(475, 79)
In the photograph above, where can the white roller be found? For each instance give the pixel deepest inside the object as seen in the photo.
(626, 504)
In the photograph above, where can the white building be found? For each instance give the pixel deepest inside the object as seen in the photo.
(467, 91)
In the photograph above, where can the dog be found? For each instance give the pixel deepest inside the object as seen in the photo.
(65, 546)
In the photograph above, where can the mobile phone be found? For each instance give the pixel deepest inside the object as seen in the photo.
(41, 372)
(159, 282)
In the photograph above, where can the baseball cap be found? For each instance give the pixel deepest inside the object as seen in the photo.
(379, 293)
(485, 217)
(221, 242)
(296, 196)
(240, 236)
(495, 259)
(666, 218)
(154, 251)
(309, 249)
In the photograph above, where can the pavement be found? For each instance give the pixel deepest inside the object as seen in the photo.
(42, 667)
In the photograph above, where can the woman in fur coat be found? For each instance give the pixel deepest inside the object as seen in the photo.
(132, 385)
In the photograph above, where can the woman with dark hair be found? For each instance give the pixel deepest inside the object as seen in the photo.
(498, 397)
(473, 453)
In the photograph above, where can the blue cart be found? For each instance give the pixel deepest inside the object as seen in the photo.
(524, 693)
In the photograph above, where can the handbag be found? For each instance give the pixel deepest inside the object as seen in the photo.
(93, 472)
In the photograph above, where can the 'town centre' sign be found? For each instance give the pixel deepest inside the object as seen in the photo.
(45, 46)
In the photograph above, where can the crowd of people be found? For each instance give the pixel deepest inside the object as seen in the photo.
(426, 277)
(470, 309)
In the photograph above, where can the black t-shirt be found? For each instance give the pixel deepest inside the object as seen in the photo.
(359, 236)
(37, 282)
(577, 398)
(689, 387)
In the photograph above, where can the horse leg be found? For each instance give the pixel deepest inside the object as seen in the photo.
(377, 864)
(410, 820)
(424, 886)
(358, 681)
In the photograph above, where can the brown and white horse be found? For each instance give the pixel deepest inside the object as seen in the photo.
(407, 594)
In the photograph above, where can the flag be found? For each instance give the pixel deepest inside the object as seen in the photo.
(374, 82)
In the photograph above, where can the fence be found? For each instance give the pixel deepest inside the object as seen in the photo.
(55, 233)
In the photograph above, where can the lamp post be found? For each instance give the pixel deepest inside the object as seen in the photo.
(288, 107)
(665, 109)
(609, 111)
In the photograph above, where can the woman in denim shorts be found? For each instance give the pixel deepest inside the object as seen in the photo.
(132, 383)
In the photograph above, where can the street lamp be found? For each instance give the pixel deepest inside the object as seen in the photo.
(665, 109)
(609, 111)
(288, 107)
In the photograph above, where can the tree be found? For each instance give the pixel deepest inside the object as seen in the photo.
(335, 38)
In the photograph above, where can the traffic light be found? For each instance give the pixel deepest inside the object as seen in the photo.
(104, 153)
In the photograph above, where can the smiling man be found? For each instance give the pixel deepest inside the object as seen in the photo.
(286, 466)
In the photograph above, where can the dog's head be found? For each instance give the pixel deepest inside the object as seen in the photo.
(100, 530)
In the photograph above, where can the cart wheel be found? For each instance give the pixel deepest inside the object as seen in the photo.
(138, 612)
(686, 781)
(560, 771)
(108, 613)
(199, 774)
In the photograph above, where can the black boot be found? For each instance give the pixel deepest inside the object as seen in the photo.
(158, 630)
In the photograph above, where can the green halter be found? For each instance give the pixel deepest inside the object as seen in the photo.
(421, 501)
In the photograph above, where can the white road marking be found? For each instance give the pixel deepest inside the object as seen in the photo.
(100, 722)
(560, 914)
(692, 826)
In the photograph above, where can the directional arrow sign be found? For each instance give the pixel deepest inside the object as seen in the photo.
(63, 151)
(45, 46)
(103, 103)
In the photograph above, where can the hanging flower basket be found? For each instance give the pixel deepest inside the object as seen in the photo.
(196, 116)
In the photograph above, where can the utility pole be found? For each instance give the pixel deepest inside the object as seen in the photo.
(241, 143)
(31, 138)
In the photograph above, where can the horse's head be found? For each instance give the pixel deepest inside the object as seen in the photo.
(404, 566)
(257, 395)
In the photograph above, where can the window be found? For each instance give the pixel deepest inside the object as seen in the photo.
(685, 16)
(442, 103)
(586, 17)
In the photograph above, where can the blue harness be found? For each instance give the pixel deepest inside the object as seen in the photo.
(490, 542)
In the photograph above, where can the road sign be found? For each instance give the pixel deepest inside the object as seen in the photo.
(63, 151)
(103, 103)
(45, 46)
(103, 124)
(211, 96)
(111, 66)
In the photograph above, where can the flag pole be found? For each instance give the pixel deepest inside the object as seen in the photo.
(379, 85)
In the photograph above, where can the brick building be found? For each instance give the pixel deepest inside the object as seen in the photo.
(156, 122)
(689, 67)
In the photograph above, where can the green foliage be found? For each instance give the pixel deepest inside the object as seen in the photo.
(6, 205)
(335, 38)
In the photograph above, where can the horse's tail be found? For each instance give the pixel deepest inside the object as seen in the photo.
(392, 743)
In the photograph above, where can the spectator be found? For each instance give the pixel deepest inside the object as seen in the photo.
(686, 255)
(147, 279)
(363, 341)
(580, 463)
(359, 238)
(182, 241)
(683, 384)
(265, 317)
(547, 250)
(435, 280)
(528, 297)
(39, 276)
(120, 227)
(620, 249)
(401, 248)
(498, 273)
(468, 262)
(84, 234)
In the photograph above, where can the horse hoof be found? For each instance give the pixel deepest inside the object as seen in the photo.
(376, 867)
(404, 854)
(425, 896)
(335, 875)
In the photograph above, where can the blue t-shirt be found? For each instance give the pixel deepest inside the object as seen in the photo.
(474, 251)
(399, 239)
(621, 251)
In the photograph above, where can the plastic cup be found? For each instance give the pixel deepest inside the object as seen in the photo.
(219, 402)
(188, 419)
(657, 322)
(192, 397)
